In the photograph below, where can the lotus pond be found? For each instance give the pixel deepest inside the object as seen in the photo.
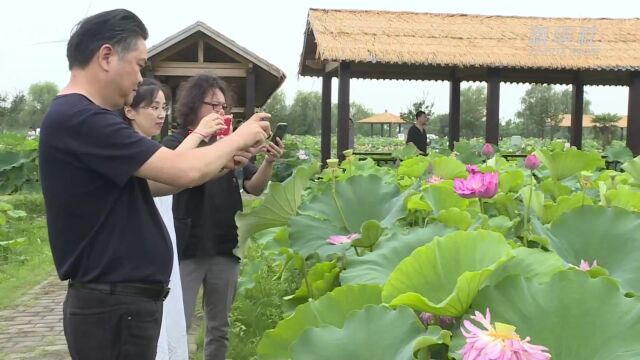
(437, 259)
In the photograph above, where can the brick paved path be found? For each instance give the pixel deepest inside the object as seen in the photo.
(32, 329)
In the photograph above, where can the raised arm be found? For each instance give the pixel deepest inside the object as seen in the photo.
(192, 167)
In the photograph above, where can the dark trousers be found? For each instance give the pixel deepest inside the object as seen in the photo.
(111, 327)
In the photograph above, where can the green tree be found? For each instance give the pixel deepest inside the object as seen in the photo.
(542, 107)
(420, 104)
(39, 98)
(304, 113)
(277, 107)
(605, 124)
(473, 108)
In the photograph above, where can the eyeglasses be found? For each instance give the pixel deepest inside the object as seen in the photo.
(217, 106)
(156, 109)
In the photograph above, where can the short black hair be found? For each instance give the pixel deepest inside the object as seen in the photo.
(119, 28)
(419, 113)
(192, 94)
(146, 94)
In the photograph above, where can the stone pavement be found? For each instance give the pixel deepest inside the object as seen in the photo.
(32, 329)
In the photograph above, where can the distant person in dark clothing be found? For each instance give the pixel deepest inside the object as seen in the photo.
(417, 134)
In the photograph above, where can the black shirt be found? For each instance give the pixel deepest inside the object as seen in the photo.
(204, 216)
(418, 138)
(103, 224)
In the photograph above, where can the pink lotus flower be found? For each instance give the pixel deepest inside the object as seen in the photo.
(434, 180)
(488, 150)
(498, 343)
(472, 169)
(584, 265)
(532, 162)
(477, 185)
(342, 239)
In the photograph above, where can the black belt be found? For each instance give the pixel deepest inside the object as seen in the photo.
(156, 292)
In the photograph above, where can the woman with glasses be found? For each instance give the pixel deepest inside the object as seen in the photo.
(147, 114)
(204, 216)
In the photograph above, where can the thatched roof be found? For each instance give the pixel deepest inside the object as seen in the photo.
(587, 121)
(382, 118)
(470, 44)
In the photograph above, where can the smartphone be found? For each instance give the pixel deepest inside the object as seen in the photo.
(228, 127)
(279, 132)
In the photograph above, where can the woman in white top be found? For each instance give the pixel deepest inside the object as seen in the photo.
(146, 114)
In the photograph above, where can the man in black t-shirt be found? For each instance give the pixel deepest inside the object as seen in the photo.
(417, 134)
(98, 176)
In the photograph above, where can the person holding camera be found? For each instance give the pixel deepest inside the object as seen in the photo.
(204, 216)
(98, 178)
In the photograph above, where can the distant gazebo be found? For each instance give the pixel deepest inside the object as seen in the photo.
(199, 49)
(587, 122)
(385, 118)
(365, 44)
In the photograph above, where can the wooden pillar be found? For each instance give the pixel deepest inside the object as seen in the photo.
(454, 110)
(577, 103)
(325, 125)
(381, 130)
(633, 115)
(343, 108)
(492, 130)
(371, 130)
(250, 105)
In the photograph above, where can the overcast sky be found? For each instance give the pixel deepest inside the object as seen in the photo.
(34, 35)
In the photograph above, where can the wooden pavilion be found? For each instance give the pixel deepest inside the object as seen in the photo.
(363, 44)
(385, 118)
(199, 49)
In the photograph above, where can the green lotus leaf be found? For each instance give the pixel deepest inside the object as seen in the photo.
(279, 205)
(608, 235)
(357, 200)
(455, 218)
(511, 181)
(554, 188)
(618, 151)
(564, 203)
(443, 276)
(413, 167)
(366, 335)
(442, 197)
(534, 263)
(447, 167)
(576, 317)
(506, 204)
(632, 167)
(320, 279)
(370, 233)
(331, 309)
(562, 164)
(625, 199)
(468, 153)
(393, 247)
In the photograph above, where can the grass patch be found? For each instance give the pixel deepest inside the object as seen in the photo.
(29, 264)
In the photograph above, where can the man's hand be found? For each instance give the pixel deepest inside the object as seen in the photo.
(273, 151)
(252, 132)
(210, 124)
